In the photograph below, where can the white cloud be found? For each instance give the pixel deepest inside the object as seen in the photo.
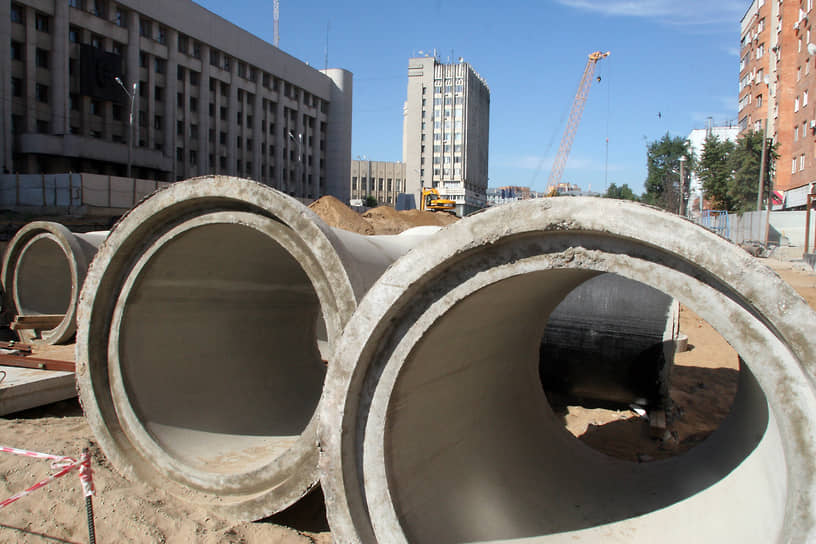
(689, 12)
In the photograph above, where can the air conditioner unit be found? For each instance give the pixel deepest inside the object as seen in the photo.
(796, 25)
(813, 123)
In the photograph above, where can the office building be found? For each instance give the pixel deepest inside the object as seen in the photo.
(446, 132)
(210, 98)
(382, 180)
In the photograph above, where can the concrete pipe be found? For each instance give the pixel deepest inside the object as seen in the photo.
(610, 342)
(434, 426)
(198, 349)
(44, 267)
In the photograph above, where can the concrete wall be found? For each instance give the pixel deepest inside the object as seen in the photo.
(787, 228)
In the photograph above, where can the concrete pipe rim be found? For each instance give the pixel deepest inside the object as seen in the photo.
(77, 264)
(264, 476)
(128, 240)
(745, 284)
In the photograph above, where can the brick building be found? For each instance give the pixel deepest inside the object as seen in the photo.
(777, 88)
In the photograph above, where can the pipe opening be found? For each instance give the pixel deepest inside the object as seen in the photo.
(42, 277)
(218, 347)
(632, 373)
(473, 451)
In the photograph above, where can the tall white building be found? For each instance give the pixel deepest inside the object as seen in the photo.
(445, 132)
(697, 138)
(210, 97)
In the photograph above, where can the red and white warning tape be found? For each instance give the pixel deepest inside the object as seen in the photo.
(63, 465)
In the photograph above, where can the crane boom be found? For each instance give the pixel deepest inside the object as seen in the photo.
(574, 119)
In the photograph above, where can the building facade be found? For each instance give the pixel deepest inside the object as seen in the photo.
(446, 127)
(381, 180)
(776, 89)
(210, 98)
(697, 138)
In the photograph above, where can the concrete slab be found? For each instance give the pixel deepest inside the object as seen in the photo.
(24, 388)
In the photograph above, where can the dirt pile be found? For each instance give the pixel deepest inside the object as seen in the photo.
(379, 220)
(338, 215)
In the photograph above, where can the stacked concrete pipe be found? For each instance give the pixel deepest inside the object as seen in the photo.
(201, 326)
(434, 426)
(43, 269)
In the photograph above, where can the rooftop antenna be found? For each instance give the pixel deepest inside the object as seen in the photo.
(275, 18)
(326, 59)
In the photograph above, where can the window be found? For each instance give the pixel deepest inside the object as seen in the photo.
(73, 100)
(16, 86)
(758, 104)
(143, 59)
(161, 35)
(801, 162)
(796, 133)
(223, 113)
(180, 128)
(180, 73)
(158, 94)
(98, 8)
(761, 25)
(196, 50)
(193, 103)
(144, 28)
(41, 22)
(158, 122)
(793, 166)
(180, 154)
(194, 78)
(75, 4)
(159, 65)
(41, 58)
(16, 50)
(222, 138)
(42, 93)
(804, 98)
(193, 157)
(96, 107)
(120, 17)
(180, 100)
(73, 34)
(143, 89)
(117, 112)
(796, 104)
(183, 44)
(117, 48)
(17, 14)
(760, 51)
(96, 41)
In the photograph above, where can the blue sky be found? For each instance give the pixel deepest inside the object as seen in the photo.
(676, 59)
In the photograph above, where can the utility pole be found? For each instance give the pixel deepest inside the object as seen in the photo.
(682, 210)
(132, 97)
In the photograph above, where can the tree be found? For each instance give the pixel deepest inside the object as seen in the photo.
(370, 202)
(714, 170)
(621, 193)
(745, 162)
(663, 185)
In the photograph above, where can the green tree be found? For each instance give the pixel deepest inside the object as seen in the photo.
(370, 201)
(621, 193)
(745, 162)
(714, 171)
(663, 185)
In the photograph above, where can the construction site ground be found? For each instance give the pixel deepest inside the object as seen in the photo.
(703, 387)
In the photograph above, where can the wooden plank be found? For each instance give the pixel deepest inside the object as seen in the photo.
(37, 363)
(24, 388)
(40, 322)
(15, 345)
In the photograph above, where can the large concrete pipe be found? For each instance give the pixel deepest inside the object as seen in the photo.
(610, 342)
(434, 426)
(42, 273)
(198, 349)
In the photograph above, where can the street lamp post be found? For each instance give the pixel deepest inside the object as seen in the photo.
(132, 97)
(298, 171)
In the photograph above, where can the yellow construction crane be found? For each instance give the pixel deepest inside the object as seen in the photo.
(574, 120)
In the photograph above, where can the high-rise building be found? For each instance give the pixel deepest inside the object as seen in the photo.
(445, 132)
(210, 97)
(776, 89)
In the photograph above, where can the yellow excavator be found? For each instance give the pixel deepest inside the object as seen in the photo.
(432, 202)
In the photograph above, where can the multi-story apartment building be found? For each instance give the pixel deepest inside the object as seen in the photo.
(445, 132)
(381, 180)
(209, 97)
(776, 88)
